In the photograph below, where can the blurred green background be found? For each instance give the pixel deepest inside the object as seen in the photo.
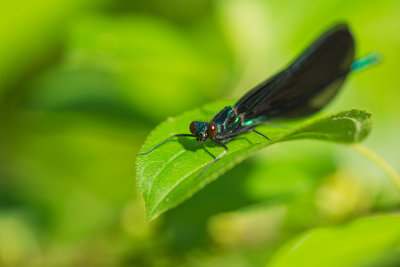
(83, 82)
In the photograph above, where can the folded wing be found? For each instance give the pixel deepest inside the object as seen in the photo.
(308, 84)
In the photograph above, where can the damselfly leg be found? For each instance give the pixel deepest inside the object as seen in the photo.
(166, 140)
(216, 158)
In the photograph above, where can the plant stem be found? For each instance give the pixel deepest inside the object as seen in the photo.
(393, 175)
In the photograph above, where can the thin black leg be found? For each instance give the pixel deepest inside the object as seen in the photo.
(246, 130)
(154, 147)
(257, 132)
(242, 131)
(217, 158)
(250, 128)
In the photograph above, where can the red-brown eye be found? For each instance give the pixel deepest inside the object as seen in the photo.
(212, 129)
(193, 127)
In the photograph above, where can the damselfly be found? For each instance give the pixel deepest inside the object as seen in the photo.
(308, 84)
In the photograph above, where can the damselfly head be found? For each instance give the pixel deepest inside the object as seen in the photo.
(200, 130)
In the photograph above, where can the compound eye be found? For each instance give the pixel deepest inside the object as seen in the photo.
(212, 129)
(193, 127)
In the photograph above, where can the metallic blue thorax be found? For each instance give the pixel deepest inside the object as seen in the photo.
(226, 120)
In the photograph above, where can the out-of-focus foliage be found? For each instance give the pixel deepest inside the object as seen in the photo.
(83, 82)
(331, 244)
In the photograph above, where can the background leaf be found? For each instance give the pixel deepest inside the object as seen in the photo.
(360, 243)
(168, 175)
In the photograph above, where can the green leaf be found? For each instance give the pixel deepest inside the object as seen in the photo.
(169, 175)
(360, 243)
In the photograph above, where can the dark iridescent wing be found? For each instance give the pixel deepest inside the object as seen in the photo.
(308, 84)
